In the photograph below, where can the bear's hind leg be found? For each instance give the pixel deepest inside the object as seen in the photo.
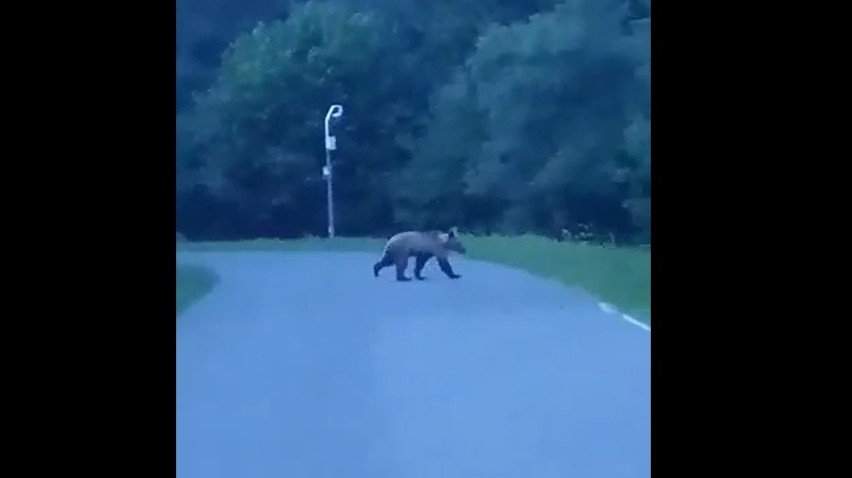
(386, 261)
(401, 265)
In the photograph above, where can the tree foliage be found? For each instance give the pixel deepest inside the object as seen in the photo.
(494, 115)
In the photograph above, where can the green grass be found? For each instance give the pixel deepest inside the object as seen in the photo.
(193, 283)
(304, 244)
(621, 276)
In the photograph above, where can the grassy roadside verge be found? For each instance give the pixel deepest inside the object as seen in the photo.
(193, 283)
(621, 276)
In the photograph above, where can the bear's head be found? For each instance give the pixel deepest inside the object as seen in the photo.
(451, 242)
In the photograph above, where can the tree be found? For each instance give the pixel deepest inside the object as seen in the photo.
(258, 128)
(494, 115)
(535, 123)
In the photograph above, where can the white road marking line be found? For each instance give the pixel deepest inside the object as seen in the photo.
(609, 309)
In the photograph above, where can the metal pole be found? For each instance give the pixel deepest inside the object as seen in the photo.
(329, 194)
(330, 144)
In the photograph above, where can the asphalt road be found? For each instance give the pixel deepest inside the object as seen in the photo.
(304, 365)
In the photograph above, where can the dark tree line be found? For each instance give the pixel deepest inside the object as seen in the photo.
(502, 116)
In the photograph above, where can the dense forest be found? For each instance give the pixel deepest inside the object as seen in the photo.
(496, 116)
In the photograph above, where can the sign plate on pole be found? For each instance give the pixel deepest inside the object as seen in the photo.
(330, 143)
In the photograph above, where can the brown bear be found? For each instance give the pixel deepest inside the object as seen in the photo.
(422, 245)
